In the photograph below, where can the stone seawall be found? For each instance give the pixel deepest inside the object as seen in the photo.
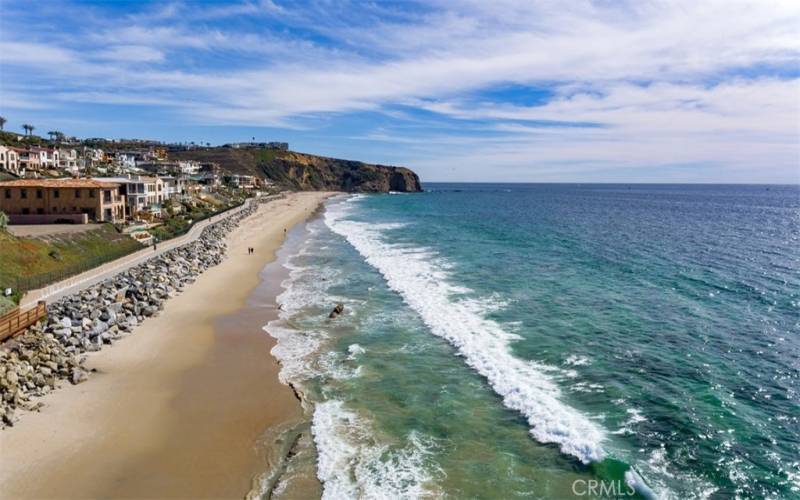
(36, 361)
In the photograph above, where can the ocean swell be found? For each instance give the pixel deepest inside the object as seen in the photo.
(351, 464)
(421, 279)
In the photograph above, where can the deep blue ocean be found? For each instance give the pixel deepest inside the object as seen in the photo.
(540, 340)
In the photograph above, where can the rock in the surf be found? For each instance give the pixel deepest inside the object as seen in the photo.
(339, 309)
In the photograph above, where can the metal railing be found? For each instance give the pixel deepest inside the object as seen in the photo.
(26, 283)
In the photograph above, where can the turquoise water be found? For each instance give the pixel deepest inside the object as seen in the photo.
(530, 341)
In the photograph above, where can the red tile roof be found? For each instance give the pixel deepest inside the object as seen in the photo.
(58, 183)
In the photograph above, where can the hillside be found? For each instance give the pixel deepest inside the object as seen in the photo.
(307, 172)
(27, 263)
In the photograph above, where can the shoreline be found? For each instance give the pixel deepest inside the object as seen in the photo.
(292, 439)
(176, 410)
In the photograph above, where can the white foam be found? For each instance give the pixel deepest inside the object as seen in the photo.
(418, 276)
(330, 363)
(355, 350)
(293, 349)
(574, 360)
(635, 417)
(351, 465)
(635, 481)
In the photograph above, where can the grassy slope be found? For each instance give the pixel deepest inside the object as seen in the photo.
(12, 139)
(26, 257)
(6, 305)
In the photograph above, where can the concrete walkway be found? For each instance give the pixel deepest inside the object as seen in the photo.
(55, 291)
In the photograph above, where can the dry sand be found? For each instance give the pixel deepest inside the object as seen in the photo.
(176, 409)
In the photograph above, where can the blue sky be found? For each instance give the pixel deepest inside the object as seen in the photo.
(519, 91)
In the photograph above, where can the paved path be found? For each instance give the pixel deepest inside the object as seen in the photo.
(55, 291)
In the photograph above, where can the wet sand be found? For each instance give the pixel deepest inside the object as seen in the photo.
(179, 409)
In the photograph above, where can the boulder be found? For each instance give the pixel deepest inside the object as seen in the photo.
(339, 309)
(77, 376)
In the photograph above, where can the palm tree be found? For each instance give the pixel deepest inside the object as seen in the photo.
(28, 129)
(2, 122)
(56, 135)
(52, 135)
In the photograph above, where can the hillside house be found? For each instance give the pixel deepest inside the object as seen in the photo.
(43, 201)
(68, 161)
(9, 161)
(142, 193)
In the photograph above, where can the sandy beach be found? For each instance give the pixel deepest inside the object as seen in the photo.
(177, 409)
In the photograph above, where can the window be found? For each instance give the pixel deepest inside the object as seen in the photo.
(8, 194)
(39, 194)
(91, 193)
(23, 193)
(26, 211)
(40, 211)
(56, 193)
(77, 193)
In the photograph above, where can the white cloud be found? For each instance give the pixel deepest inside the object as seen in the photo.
(131, 54)
(679, 81)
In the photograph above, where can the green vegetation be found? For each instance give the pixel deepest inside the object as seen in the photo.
(6, 305)
(21, 141)
(177, 222)
(32, 262)
(267, 155)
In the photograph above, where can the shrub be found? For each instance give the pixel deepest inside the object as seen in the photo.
(3, 220)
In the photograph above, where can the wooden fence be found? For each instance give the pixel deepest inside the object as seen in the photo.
(15, 321)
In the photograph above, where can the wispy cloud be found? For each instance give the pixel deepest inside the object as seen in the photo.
(651, 82)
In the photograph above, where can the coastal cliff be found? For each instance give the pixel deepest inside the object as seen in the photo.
(306, 172)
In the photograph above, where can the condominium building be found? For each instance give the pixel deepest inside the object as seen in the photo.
(68, 160)
(142, 193)
(9, 160)
(41, 201)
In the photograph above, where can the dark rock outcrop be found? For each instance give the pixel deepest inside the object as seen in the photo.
(339, 309)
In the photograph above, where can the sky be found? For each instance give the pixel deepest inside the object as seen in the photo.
(473, 90)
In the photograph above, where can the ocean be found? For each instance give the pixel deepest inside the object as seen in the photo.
(549, 341)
